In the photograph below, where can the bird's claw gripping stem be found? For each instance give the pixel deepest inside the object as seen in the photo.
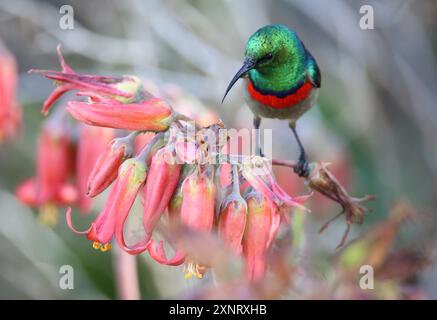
(302, 168)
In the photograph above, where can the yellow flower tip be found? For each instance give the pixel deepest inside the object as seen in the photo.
(187, 276)
(131, 85)
(102, 247)
(193, 269)
(105, 247)
(97, 245)
(48, 215)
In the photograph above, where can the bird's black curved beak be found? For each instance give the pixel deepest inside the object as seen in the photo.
(247, 65)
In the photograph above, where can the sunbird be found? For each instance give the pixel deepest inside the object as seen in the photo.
(281, 81)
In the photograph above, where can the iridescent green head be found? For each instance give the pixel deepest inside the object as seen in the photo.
(273, 46)
(274, 56)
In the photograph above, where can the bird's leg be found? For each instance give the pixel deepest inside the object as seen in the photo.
(301, 168)
(257, 124)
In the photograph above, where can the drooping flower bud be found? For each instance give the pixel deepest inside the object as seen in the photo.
(146, 155)
(262, 225)
(232, 219)
(150, 115)
(162, 182)
(197, 210)
(192, 207)
(156, 250)
(131, 176)
(105, 169)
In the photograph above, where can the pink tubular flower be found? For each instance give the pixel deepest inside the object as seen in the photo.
(10, 110)
(194, 206)
(92, 143)
(157, 251)
(114, 102)
(232, 219)
(27, 194)
(50, 187)
(54, 163)
(124, 89)
(232, 222)
(162, 182)
(151, 115)
(197, 211)
(105, 169)
(131, 176)
(263, 222)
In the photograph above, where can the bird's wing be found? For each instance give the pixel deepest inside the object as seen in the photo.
(313, 71)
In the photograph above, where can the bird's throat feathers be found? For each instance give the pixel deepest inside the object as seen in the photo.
(280, 99)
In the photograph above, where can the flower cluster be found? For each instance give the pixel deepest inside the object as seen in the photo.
(177, 173)
(191, 184)
(10, 110)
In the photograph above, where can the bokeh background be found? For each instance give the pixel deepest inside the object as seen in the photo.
(376, 119)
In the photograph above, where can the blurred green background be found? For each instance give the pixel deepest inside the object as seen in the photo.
(376, 119)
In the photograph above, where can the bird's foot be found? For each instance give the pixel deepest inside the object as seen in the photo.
(302, 168)
(260, 152)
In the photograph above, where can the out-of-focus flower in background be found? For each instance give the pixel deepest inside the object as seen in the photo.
(10, 109)
(91, 145)
(51, 186)
(394, 267)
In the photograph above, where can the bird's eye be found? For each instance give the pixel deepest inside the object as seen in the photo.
(266, 58)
